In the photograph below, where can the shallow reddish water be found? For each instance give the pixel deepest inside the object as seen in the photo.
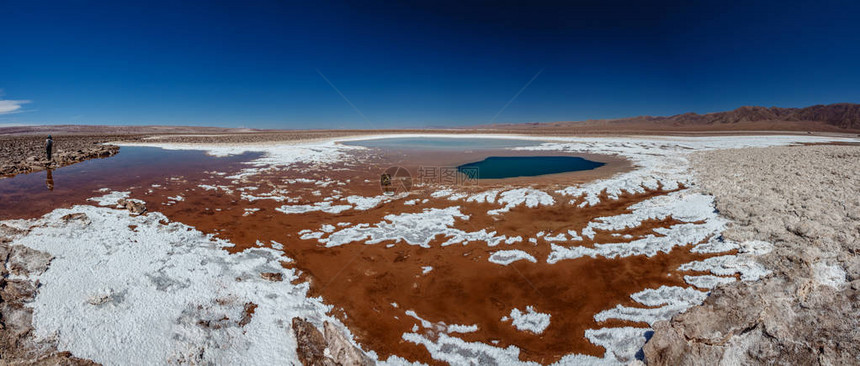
(35, 194)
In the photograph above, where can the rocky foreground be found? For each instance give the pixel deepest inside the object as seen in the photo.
(26, 154)
(806, 201)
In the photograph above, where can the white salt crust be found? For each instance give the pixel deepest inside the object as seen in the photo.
(708, 281)
(440, 327)
(505, 257)
(120, 296)
(529, 320)
(831, 275)
(412, 228)
(109, 199)
(665, 302)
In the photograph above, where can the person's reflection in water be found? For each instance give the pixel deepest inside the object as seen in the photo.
(49, 180)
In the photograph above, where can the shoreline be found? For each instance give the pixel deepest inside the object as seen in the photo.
(19, 154)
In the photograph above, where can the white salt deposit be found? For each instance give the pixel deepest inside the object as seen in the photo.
(726, 265)
(621, 344)
(440, 326)
(274, 196)
(109, 199)
(366, 203)
(559, 237)
(828, 274)
(505, 257)
(574, 236)
(459, 328)
(215, 188)
(529, 320)
(671, 301)
(528, 196)
(708, 281)
(324, 206)
(119, 296)
(484, 197)
(413, 228)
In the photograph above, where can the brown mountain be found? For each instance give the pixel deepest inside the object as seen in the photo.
(842, 117)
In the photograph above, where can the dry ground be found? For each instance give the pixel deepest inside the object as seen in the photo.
(806, 201)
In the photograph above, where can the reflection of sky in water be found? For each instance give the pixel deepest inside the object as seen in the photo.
(133, 166)
(442, 143)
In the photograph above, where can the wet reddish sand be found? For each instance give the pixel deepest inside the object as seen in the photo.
(362, 281)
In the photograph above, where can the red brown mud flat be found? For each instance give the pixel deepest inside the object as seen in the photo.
(383, 288)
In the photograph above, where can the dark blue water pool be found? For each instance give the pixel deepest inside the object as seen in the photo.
(497, 167)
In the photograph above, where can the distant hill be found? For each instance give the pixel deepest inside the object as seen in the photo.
(842, 117)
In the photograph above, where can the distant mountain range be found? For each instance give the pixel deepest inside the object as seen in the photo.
(841, 117)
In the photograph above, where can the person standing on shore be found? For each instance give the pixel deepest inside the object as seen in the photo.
(49, 143)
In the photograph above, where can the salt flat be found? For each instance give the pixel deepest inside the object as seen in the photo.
(177, 286)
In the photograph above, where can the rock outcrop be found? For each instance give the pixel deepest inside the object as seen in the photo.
(330, 349)
(806, 201)
(134, 206)
(26, 154)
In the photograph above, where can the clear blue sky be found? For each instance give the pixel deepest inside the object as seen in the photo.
(428, 63)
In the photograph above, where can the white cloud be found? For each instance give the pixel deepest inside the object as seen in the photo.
(11, 106)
